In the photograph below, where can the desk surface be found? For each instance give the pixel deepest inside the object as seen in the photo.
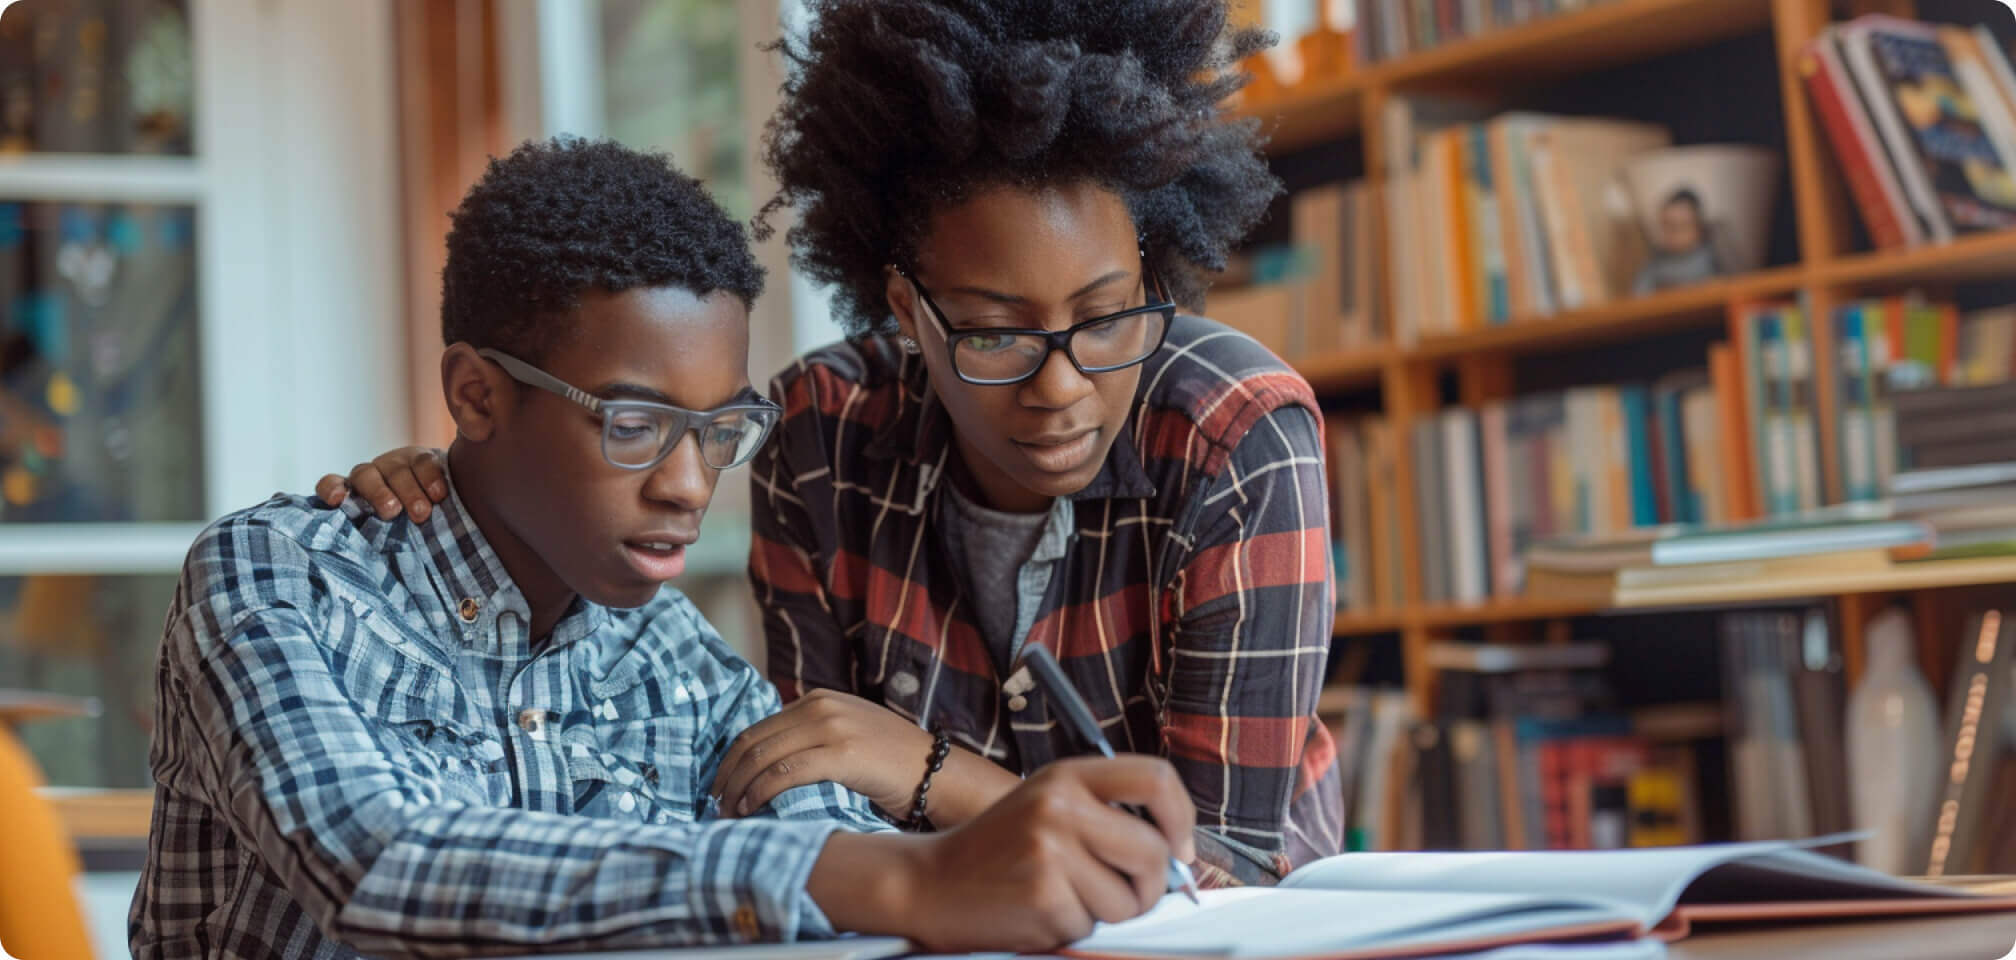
(1987, 936)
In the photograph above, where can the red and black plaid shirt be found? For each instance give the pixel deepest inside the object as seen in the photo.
(1192, 607)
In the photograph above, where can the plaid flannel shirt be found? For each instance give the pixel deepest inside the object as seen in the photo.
(1192, 606)
(358, 748)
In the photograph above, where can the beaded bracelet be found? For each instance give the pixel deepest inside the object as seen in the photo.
(941, 745)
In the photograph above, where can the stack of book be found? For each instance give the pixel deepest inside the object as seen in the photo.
(1922, 118)
(1496, 218)
(1317, 295)
(1395, 28)
(1679, 565)
(1970, 510)
(1527, 752)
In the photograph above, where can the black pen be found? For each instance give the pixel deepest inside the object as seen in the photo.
(1078, 717)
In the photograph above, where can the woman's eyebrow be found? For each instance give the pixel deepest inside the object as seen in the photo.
(1014, 299)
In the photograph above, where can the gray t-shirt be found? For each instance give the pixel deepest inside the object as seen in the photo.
(1009, 558)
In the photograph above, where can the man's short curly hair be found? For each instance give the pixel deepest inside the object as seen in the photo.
(896, 107)
(561, 217)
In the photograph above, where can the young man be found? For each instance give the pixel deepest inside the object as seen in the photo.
(491, 730)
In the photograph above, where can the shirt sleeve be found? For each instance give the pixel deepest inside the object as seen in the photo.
(748, 699)
(1252, 623)
(805, 646)
(374, 853)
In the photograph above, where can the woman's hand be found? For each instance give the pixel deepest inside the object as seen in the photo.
(409, 479)
(860, 745)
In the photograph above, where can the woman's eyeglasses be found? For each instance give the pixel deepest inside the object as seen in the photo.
(991, 357)
(639, 434)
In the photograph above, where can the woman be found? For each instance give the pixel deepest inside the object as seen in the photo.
(1023, 441)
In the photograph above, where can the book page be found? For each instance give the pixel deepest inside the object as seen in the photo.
(1261, 922)
(1645, 884)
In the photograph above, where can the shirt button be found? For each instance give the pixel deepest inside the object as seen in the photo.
(468, 609)
(1018, 702)
(532, 721)
(745, 923)
(627, 802)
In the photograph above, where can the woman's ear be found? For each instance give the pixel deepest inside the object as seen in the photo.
(903, 303)
(475, 390)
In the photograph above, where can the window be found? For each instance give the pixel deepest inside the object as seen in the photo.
(199, 306)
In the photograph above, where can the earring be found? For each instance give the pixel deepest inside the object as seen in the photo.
(909, 346)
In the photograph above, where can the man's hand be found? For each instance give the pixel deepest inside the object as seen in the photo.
(825, 735)
(409, 479)
(1034, 872)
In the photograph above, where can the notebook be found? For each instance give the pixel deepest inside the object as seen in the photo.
(1361, 906)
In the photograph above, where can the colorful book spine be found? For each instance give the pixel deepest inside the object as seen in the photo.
(1636, 409)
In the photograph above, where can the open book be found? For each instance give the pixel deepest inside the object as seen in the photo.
(1380, 905)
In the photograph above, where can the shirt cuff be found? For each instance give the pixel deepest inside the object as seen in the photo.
(751, 876)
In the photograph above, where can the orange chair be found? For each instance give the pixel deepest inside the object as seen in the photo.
(39, 914)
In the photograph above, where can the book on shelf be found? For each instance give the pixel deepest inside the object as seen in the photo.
(1494, 218)
(1361, 472)
(1976, 703)
(1317, 295)
(1368, 905)
(1922, 120)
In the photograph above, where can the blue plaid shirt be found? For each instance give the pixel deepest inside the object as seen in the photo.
(359, 748)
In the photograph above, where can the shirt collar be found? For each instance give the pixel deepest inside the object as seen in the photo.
(475, 584)
(920, 434)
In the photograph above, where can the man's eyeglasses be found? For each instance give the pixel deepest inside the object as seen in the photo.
(994, 356)
(639, 434)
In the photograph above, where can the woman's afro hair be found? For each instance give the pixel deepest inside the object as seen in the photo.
(895, 108)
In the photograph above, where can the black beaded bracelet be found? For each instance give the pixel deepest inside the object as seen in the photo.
(941, 745)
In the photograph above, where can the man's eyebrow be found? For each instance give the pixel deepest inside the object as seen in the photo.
(632, 391)
(1013, 299)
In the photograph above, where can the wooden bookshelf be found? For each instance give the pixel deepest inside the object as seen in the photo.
(1409, 377)
(1321, 111)
(1988, 256)
(1361, 623)
(1706, 303)
(1610, 33)
(1603, 35)
(1347, 369)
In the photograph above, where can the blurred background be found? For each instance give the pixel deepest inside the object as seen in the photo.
(221, 228)
(1564, 273)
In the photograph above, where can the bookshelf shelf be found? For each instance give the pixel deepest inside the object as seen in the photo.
(1609, 34)
(1987, 256)
(1605, 35)
(1360, 623)
(1504, 610)
(1897, 579)
(1623, 319)
(1345, 369)
(1321, 111)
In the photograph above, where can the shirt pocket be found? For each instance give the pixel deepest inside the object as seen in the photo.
(466, 761)
(623, 779)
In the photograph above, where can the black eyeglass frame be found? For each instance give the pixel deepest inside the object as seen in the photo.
(684, 421)
(1054, 340)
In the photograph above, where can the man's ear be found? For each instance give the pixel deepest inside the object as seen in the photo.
(903, 302)
(478, 392)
